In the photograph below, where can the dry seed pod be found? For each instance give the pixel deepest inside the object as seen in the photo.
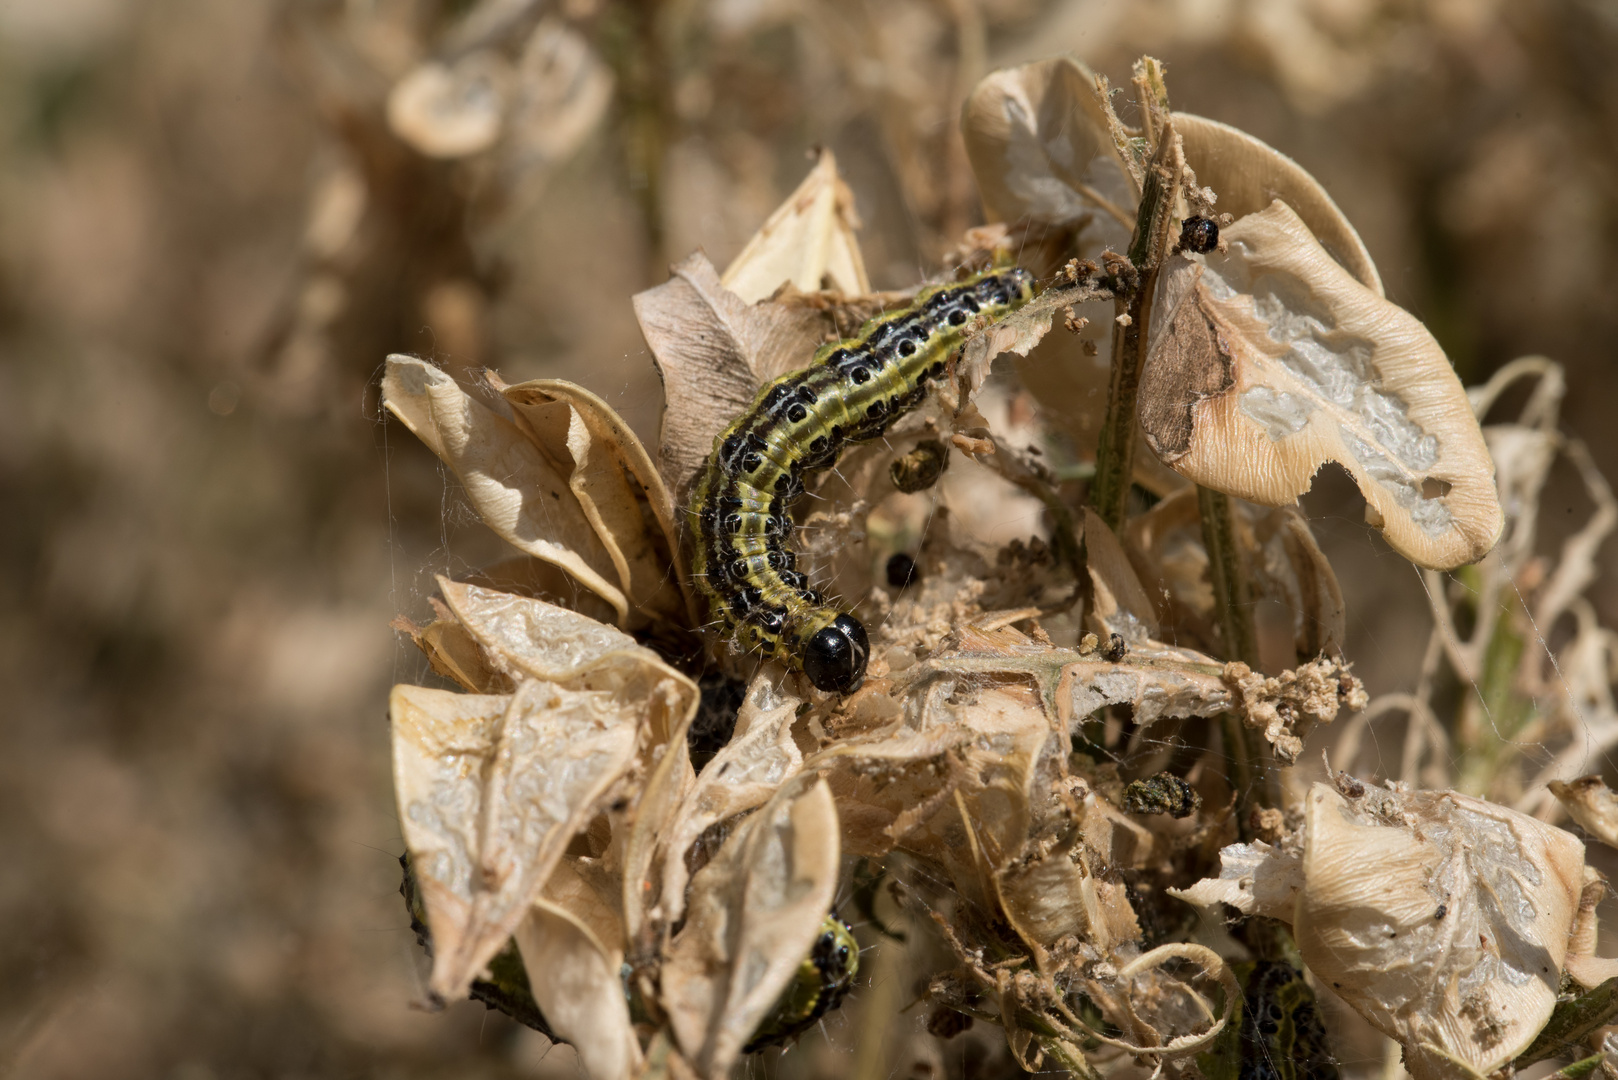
(1270, 360)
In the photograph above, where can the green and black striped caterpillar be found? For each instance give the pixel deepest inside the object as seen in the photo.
(798, 423)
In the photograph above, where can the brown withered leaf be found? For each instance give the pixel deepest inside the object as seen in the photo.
(1247, 175)
(754, 912)
(1270, 360)
(517, 490)
(1590, 802)
(760, 757)
(491, 790)
(1284, 565)
(808, 242)
(1442, 919)
(489, 805)
(452, 110)
(713, 350)
(618, 487)
(1042, 145)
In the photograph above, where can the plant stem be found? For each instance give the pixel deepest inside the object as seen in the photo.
(1115, 455)
(1228, 577)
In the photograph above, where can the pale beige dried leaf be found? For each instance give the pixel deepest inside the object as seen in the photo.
(760, 757)
(755, 910)
(712, 351)
(1270, 360)
(618, 488)
(1017, 333)
(1247, 175)
(1466, 990)
(1255, 879)
(1040, 143)
(1284, 564)
(491, 790)
(560, 94)
(1590, 802)
(455, 654)
(576, 982)
(517, 491)
(451, 110)
(1121, 605)
(807, 242)
(525, 575)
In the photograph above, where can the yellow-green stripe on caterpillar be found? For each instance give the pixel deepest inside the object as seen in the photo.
(799, 423)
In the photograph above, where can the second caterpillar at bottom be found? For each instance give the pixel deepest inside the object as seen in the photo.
(853, 390)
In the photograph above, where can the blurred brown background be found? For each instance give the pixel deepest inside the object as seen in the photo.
(211, 234)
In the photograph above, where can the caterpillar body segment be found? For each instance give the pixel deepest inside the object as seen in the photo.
(743, 563)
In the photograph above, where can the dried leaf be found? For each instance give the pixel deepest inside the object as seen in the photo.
(1284, 565)
(577, 984)
(490, 806)
(755, 911)
(491, 790)
(517, 491)
(1247, 175)
(808, 242)
(618, 488)
(1040, 139)
(760, 757)
(1271, 360)
(712, 351)
(452, 111)
(1590, 802)
(1121, 605)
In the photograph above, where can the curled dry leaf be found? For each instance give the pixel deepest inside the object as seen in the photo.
(754, 912)
(1247, 175)
(1442, 919)
(561, 92)
(577, 983)
(517, 490)
(1270, 360)
(760, 757)
(1285, 565)
(808, 242)
(617, 487)
(452, 110)
(1590, 802)
(1041, 139)
(492, 788)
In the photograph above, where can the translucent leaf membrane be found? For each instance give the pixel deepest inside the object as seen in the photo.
(1270, 360)
(577, 982)
(808, 242)
(493, 788)
(1442, 919)
(754, 913)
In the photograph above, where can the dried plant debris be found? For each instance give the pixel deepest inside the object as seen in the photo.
(1270, 360)
(808, 243)
(1442, 919)
(1592, 804)
(1286, 706)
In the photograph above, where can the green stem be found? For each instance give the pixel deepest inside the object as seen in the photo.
(1228, 577)
(1115, 454)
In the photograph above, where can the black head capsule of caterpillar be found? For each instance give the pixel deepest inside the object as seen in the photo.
(835, 658)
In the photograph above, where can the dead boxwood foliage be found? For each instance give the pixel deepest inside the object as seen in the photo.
(664, 912)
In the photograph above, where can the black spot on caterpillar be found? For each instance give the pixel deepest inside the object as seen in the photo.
(850, 393)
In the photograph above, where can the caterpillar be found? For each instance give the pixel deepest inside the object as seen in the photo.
(822, 980)
(851, 392)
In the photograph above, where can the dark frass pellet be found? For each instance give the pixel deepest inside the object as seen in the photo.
(902, 571)
(1199, 234)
